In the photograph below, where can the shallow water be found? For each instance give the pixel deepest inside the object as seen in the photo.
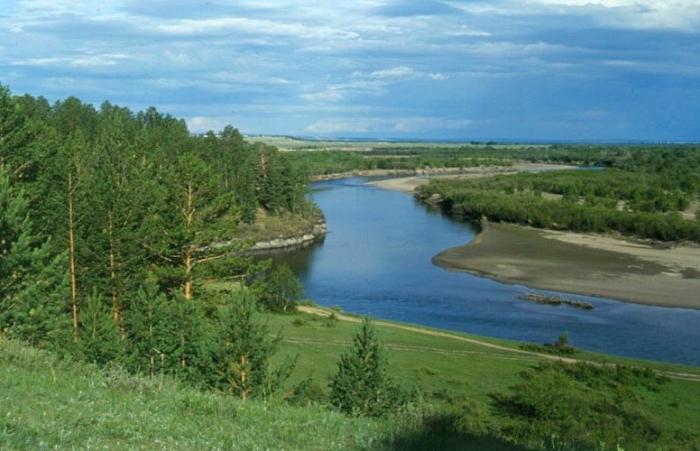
(376, 260)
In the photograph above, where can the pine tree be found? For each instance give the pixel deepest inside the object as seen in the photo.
(154, 340)
(18, 139)
(361, 386)
(246, 349)
(186, 203)
(32, 281)
(245, 188)
(100, 340)
(117, 208)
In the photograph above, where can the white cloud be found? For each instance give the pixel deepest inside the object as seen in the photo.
(401, 126)
(397, 72)
(229, 25)
(642, 14)
(427, 124)
(335, 126)
(330, 94)
(107, 59)
(467, 31)
(200, 124)
(338, 92)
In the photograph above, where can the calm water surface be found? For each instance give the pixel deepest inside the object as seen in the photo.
(376, 260)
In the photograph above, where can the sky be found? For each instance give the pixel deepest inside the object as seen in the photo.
(408, 69)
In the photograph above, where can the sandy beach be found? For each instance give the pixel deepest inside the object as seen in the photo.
(586, 264)
(408, 184)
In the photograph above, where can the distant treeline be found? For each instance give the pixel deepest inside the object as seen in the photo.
(323, 162)
(320, 162)
(641, 195)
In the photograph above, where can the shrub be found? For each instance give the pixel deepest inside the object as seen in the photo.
(280, 290)
(581, 406)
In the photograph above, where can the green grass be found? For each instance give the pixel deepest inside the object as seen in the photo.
(49, 403)
(430, 363)
(46, 402)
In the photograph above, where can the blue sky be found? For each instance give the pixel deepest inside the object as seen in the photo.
(459, 69)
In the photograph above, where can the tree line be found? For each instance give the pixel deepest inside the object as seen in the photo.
(323, 162)
(641, 196)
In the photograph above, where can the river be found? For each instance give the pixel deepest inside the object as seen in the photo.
(376, 260)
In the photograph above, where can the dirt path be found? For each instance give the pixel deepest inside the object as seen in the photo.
(409, 348)
(533, 356)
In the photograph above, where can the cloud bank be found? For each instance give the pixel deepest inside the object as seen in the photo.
(458, 69)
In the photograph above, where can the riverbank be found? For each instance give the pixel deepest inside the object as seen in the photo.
(586, 264)
(277, 232)
(424, 172)
(410, 183)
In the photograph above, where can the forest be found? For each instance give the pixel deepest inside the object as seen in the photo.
(109, 221)
(121, 264)
(642, 194)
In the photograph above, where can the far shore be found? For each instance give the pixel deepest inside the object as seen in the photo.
(410, 183)
(587, 264)
(398, 173)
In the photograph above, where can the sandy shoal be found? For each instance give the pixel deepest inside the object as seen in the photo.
(586, 264)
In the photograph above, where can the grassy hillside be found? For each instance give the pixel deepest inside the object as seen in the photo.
(48, 403)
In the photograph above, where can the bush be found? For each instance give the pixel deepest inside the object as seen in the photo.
(581, 406)
(280, 290)
(306, 393)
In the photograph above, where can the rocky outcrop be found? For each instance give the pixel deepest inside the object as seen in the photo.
(317, 232)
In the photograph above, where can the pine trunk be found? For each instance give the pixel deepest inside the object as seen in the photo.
(71, 259)
(187, 288)
(116, 303)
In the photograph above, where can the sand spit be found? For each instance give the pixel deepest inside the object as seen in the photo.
(587, 264)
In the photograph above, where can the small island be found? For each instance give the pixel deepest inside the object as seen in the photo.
(556, 301)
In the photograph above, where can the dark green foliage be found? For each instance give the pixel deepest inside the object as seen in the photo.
(560, 346)
(152, 333)
(32, 281)
(579, 407)
(279, 290)
(196, 336)
(142, 190)
(306, 393)
(245, 347)
(362, 385)
(100, 341)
